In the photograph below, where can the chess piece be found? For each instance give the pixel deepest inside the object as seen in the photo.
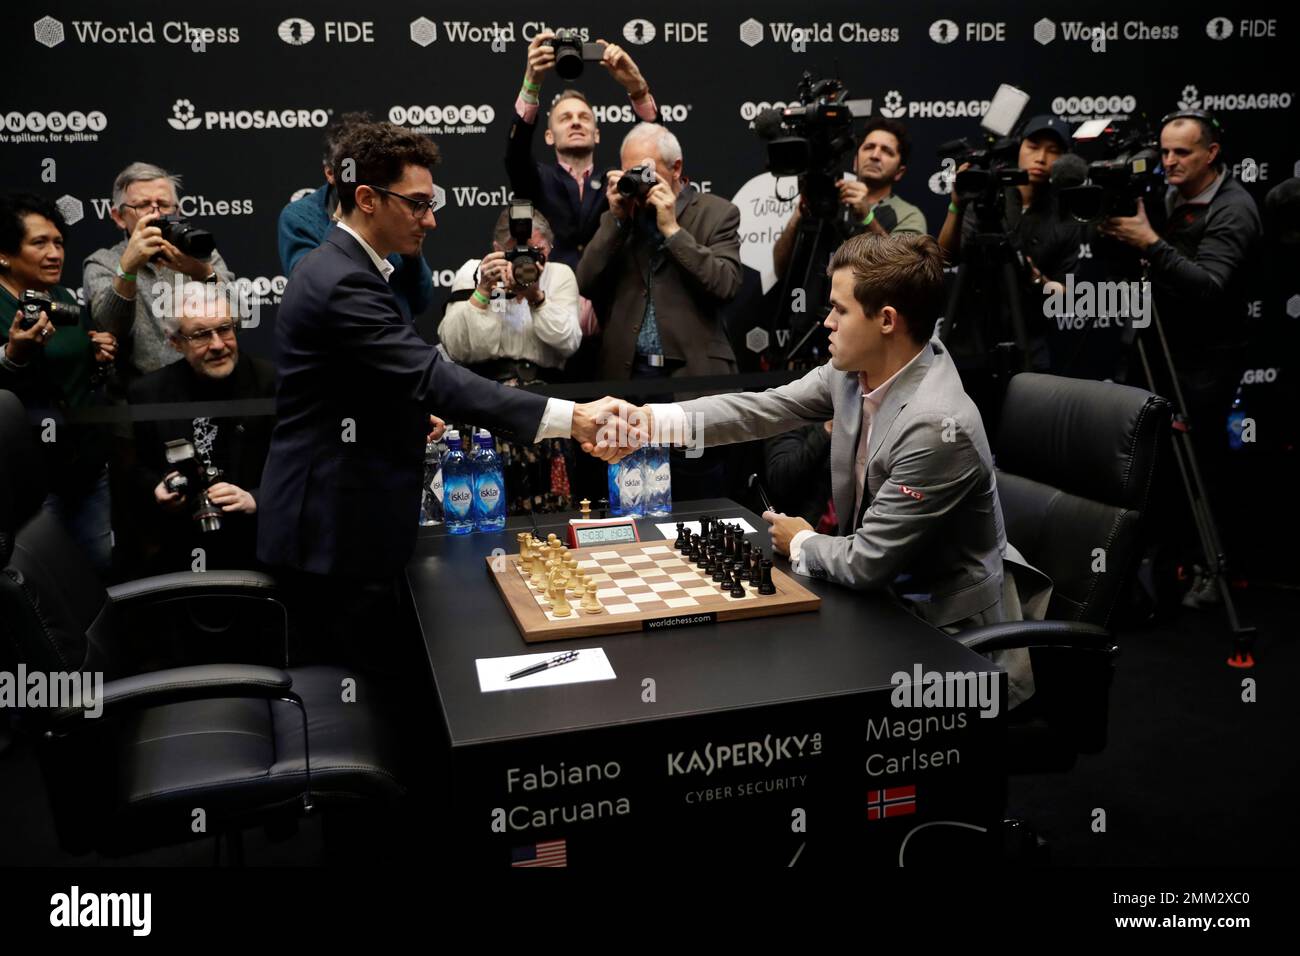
(737, 587)
(537, 581)
(522, 537)
(681, 535)
(765, 585)
(585, 505)
(755, 557)
(719, 571)
(561, 607)
(590, 603)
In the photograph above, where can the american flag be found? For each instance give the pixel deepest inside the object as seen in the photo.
(892, 802)
(554, 853)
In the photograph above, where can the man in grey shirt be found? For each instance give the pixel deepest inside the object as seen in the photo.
(121, 284)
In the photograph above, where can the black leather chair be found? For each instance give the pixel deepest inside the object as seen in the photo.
(1076, 461)
(246, 744)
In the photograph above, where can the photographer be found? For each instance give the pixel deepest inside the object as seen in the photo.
(57, 363)
(304, 223)
(120, 283)
(201, 328)
(880, 162)
(1047, 239)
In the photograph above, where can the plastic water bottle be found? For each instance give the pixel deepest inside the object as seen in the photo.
(657, 478)
(457, 487)
(627, 486)
(431, 499)
(489, 485)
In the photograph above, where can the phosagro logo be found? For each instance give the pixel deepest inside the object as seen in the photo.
(894, 108)
(1221, 102)
(184, 117)
(443, 120)
(623, 113)
(296, 31)
(56, 127)
(1073, 109)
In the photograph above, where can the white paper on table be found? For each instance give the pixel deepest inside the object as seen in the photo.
(591, 664)
(669, 530)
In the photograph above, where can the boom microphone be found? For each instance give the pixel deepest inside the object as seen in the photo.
(1068, 171)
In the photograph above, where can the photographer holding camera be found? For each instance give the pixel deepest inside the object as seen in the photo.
(227, 453)
(880, 162)
(54, 360)
(121, 283)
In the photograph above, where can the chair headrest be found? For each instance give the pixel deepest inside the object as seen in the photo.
(1094, 439)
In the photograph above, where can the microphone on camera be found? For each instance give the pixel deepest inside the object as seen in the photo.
(1068, 171)
(768, 124)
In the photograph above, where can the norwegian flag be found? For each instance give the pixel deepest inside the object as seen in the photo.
(554, 853)
(891, 802)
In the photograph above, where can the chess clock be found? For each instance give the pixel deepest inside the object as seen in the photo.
(590, 532)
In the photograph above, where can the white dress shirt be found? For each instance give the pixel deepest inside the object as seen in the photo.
(557, 417)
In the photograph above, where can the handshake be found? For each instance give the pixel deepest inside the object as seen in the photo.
(610, 428)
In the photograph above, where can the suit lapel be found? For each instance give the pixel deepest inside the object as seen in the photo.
(896, 399)
(848, 422)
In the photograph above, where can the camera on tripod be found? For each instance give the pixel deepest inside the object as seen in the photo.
(33, 303)
(993, 167)
(195, 474)
(525, 260)
(1126, 168)
(572, 54)
(185, 236)
(810, 140)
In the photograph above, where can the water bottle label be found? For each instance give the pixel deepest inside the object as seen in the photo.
(489, 495)
(436, 485)
(632, 487)
(459, 500)
(660, 479)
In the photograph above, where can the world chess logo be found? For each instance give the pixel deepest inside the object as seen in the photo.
(1191, 99)
(943, 31)
(183, 116)
(423, 31)
(49, 32)
(71, 209)
(296, 31)
(639, 32)
(751, 32)
(1220, 28)
(893, 105)
(1044, 31)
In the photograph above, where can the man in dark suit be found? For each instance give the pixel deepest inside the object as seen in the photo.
(341, 490)
(198, 321)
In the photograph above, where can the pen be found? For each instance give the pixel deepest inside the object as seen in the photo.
(762, 492)
(565, 658)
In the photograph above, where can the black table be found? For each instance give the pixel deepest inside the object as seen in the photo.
(745, 741)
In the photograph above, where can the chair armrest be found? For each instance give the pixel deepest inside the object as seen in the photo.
(187, 584)
(177, 684)
(1012, 634)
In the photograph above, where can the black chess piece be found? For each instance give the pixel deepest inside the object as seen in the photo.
(765, 585)
(719, 572)
(681, 531)
(705, 522)
(705, 560)
(755, 557)
(737, 587)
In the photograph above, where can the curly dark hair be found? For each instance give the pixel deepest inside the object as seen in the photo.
(380, 153)
(13, 207)
(894, 127)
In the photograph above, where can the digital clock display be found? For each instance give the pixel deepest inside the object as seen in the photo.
(608, 534)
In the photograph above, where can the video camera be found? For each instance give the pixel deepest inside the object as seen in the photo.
(185, 236)
(811, 140)
(526, 261)
(572, 54)
(1126, 168)
(993, 167)
(194, 474)
(33, 303)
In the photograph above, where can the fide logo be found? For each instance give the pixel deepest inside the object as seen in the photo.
(943, 31)
(639, 32)
(183, 116)
(296, 32)
(1220, 28)
(893, 105)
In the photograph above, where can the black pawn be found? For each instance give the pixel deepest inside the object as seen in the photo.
(719, 572)
(765, 585)
(755, 557)
(681, 531)
(737, 587)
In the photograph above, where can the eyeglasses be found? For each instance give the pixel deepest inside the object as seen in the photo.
(203, 339)
(418, 206)
(161, 205)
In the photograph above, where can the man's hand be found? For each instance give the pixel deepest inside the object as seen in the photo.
(436, 429)
(541, 58)
(611, 428)
(617, 204)
(170, 500)
(146, 242)
(622, 68)
(783, 530)
(196, 269)
(105, 346)
(960, 169)
(493, 270)
(23, 342)
(1136, 230)
(663, 202)
(231, 498)
(854, 194)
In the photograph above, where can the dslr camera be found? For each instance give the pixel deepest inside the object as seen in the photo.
(572, 53)
(526, 261)
(812, 139)
(636, 183)
(194, 476)
(33, 303)
(1126, 167)
(185, 236)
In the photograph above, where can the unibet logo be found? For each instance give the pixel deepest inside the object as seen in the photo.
(749, 110)
(638, 31)
(1074, 107)
(56, 122)
(49, 32)
(296, 32)
(441, 115)
(943, 31)
(1220, 28)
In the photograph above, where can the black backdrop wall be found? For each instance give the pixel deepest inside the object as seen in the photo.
(234, 96)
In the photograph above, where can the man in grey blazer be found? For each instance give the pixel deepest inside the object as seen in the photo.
(911, 469)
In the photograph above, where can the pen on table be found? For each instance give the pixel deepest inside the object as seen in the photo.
(565, 658)
(762, 492)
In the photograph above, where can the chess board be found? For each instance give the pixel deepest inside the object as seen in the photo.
(644, 586)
